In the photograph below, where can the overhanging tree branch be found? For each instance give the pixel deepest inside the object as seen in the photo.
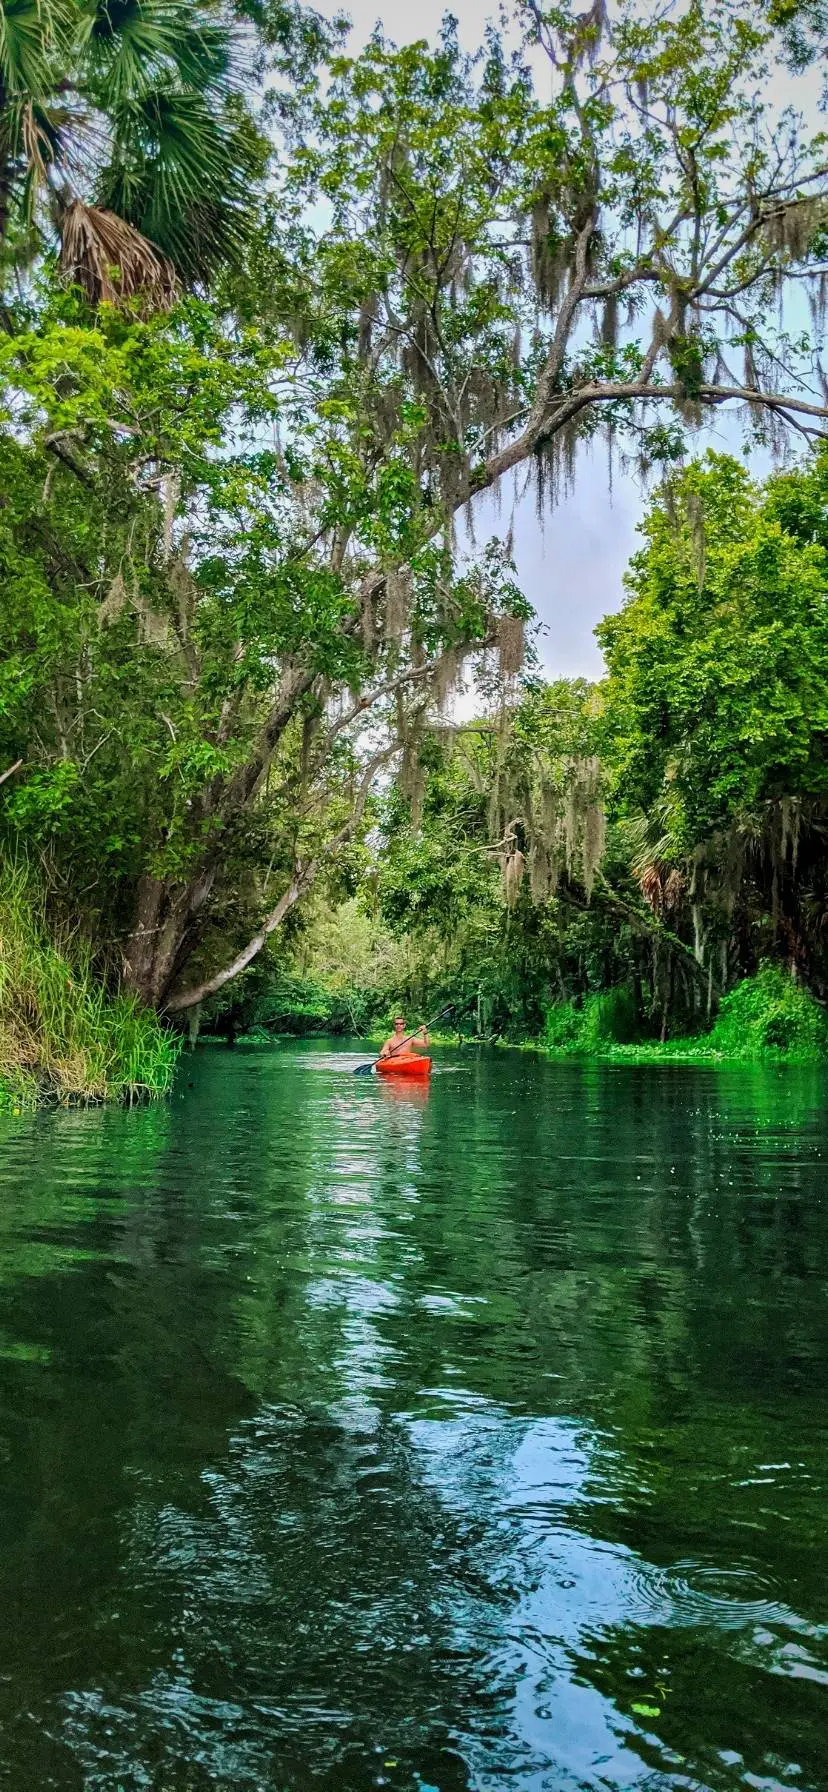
(303, 878)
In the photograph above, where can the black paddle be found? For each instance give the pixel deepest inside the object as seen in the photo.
(365, 1069)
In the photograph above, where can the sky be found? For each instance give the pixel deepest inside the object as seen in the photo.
(570, 565)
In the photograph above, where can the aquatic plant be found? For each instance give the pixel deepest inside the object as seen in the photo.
(62, 1036)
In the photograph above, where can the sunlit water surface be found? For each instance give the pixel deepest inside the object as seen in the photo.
(354, 1436)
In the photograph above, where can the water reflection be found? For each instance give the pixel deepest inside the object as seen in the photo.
(410, 1094)
(349, 1438)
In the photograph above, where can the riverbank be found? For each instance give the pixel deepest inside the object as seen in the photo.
(63, 1039)
(767, 1018)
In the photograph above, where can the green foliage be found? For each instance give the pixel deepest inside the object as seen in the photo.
(307, 1005)
(764, 1018)
(153, 83)
(335, 975)
(803, 26)
(496, 797)
(61, 1037)
(712, 730)
(233, 593)
(575, 1029)
(769, 1015)
(717, 696)
(152, 658)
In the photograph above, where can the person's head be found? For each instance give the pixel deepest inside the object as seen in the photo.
(399, 1024)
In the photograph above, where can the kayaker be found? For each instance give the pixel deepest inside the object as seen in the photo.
(392, 1045)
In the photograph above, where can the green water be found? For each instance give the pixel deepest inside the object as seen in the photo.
(475, 1438)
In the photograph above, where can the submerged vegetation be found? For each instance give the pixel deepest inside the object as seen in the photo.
(62, 1038)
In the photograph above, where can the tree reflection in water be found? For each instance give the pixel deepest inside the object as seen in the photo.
(351, 1437)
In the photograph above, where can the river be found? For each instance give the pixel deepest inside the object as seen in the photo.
(464, 1438)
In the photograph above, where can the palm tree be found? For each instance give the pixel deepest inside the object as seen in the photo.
(117, 135)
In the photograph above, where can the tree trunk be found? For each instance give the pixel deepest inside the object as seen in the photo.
(186, 998)
(5, 170)
(163, 934)
(302, 880)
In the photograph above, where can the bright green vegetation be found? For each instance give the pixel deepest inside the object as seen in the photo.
(62, 1038)
(770, 1014)
(764, 1018)
(490, 1419)
(260, 351)
(338, 977)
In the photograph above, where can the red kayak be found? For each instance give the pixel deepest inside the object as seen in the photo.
(404, 1064)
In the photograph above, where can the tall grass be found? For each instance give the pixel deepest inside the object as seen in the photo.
(62, 1037)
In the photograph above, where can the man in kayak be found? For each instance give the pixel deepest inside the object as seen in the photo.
(394, 1046)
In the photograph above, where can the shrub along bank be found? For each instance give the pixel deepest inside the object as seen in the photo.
(348, 974)
(765, 1018)
(62, 1038)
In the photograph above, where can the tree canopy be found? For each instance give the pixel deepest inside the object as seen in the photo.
(664, 829)
(236, 592)
(717, 697)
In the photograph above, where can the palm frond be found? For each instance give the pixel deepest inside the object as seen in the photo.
(111, 261)
(40, 141)
(35, 37)
(180, 176)
(128, 100)
(139, 45)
